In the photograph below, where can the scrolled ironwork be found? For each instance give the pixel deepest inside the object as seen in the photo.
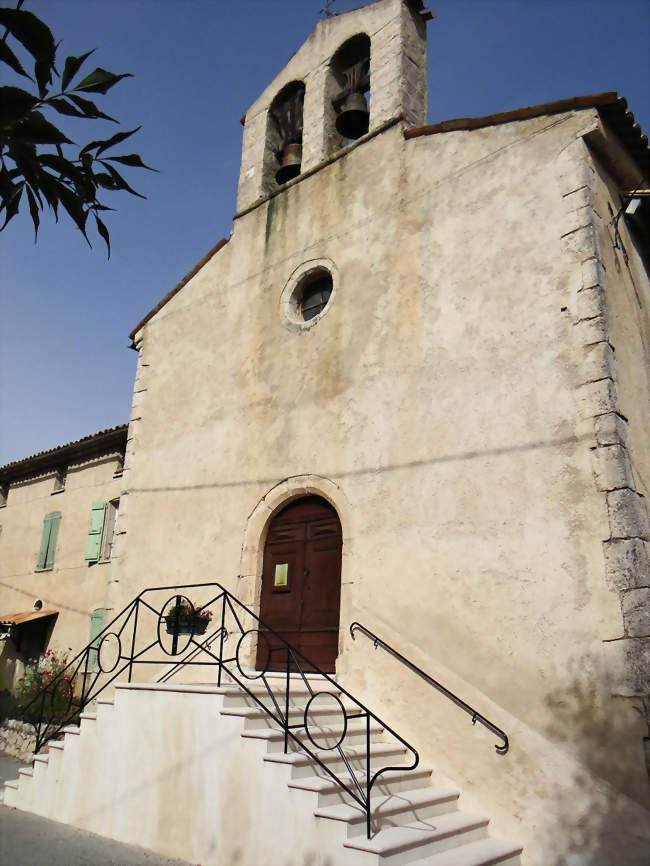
(308, 727)
(118, 654)
(136, 631)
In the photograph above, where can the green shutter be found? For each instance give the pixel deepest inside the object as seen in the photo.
(48, 539)
(96, 619)
(94, 542)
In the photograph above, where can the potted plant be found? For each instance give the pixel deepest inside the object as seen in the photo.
(185, 618)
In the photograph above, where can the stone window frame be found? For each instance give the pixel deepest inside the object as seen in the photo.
(291, 293)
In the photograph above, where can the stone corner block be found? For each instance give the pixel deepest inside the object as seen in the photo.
(596, 398)
(628, 666)
(626, 563)
(611, 429)
(635, 606)
(628, 515)
(612, 467)
(597, 362)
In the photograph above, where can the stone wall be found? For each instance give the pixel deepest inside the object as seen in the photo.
(17, 739)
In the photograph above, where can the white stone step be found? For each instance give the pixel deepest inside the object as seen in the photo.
(391, 810)
(257, 717)
(302, 764)
(329, 791)
(484, 852)
(355, 734)
(419, 839)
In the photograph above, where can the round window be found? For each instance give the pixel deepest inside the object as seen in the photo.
(308, 294)
(315, 296)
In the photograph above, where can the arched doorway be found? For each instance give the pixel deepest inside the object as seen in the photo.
(301, 583)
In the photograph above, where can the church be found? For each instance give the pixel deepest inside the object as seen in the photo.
(401, 414)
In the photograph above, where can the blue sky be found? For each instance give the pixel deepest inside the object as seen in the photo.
(66, 312)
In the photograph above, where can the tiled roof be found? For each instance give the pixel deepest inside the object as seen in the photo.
(112, 438)
(611, 106)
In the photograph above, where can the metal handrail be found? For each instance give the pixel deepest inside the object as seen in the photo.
(125, 642)
(476, 716)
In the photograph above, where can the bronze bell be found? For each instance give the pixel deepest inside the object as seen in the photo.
(291, 159)
(353, 120)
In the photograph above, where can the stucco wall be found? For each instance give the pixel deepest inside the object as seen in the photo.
(437, 403)
(71, 586)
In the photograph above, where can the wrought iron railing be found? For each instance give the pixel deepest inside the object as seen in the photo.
(476, 716)
(190, 634)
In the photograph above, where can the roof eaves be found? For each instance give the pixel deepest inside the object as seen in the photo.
(611, 107)
(103, 441)
(593, 100)
(197, 267)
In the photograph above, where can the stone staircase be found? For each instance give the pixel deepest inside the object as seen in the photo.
(415, 817)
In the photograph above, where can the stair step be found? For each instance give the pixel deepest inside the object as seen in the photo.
(483, 852)
(90, 716)
(418, 803)
(12, 783)
(43, 759)
(326, 787)
(327, 756)
(109, 702)
(440, 834)
(71, 729)
(26, 771)
(56, 744)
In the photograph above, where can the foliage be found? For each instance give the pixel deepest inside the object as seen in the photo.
(33, 161)
(184, 610)
(46, 674)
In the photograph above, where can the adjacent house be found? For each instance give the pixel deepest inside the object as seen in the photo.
(59, 517)
(411, 391)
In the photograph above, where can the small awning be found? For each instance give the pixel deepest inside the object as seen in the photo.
(25, 616)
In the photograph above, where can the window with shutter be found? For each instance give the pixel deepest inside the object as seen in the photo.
(95, 531)
(48, 540)
(96, 619)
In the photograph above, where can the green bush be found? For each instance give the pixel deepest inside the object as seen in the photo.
(45, 676)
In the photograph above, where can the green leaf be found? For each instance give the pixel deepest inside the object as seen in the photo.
(71, 203)
(89, 108)
(101, 228)
(14, 104)
(119, 180)
(49, 188)
(31, 32)
(72, 65)
(100, 81)
(7, 56)
(108, 142)
(64, 107)
(33, 209)
(131, 159)
(11, 204)
(36, 129)
(104, 179)
(43, 73)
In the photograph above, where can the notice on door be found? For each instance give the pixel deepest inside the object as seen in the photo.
(281, 577)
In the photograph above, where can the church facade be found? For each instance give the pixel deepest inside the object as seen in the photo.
(411, 390)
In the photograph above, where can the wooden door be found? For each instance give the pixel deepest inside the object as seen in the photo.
(301, 584)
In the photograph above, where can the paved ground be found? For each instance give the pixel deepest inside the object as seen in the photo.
(28, 840)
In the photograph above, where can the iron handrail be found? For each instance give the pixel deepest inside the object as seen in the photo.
(122, 641)
(476, 716)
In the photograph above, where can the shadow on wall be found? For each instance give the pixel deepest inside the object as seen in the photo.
(600, 824)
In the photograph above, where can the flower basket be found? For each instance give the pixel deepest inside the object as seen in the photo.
(186, 624)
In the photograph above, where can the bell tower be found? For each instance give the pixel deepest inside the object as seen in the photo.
(355, 72)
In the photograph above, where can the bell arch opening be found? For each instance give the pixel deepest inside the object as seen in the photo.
(347, 113)
(301, 586)
(283, 148)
